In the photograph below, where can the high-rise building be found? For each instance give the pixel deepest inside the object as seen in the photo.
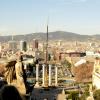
(23, 45)
(35, 44)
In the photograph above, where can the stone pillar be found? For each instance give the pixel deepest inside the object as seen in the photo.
(37, 76)
(25, 66)
(50, 75)
(43, 75)
(56, 76)
(37, 72)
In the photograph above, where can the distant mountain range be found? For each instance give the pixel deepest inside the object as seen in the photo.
(57, 35)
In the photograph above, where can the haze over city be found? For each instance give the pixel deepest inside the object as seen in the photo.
(29, 16)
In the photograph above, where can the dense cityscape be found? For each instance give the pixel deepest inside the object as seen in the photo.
(55, 70)
(49, 49)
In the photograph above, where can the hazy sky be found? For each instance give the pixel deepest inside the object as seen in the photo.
(27, 16)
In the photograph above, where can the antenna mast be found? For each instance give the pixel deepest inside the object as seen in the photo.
(47, 45)
(46, 72)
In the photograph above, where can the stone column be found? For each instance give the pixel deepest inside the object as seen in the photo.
(43, 75)
(50, 75)
(25, 66)
(56, 76)
(37, 72)
(37, 76)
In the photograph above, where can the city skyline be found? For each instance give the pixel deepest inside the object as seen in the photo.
(30, 16)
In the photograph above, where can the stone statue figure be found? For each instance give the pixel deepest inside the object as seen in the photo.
(9, 72)
(20, 76)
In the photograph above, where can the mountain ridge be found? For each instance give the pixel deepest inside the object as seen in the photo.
(56, 35)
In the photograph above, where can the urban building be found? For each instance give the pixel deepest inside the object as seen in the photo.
(23, 45)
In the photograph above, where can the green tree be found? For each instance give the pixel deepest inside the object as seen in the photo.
(74, 95)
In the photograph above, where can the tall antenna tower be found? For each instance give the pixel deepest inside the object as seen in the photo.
(46, 58)
(47, 45)
(46, 62)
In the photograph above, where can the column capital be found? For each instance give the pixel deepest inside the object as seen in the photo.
(43, 64)
(37, 65)
(50, 65)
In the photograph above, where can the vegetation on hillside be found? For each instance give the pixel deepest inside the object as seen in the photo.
(83, 73)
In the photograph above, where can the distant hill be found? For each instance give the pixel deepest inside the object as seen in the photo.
(57, 35)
